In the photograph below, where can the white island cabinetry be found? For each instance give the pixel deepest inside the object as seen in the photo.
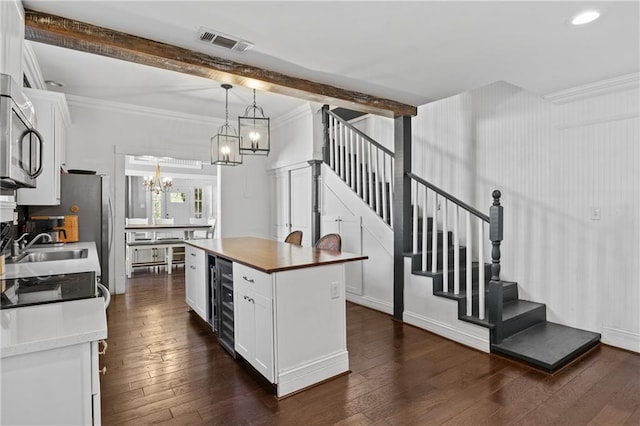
(253, 318)
(196, 280)
(289, 309)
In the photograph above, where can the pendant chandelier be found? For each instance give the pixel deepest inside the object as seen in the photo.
(156, 184)
(225, 146)
(254, 130)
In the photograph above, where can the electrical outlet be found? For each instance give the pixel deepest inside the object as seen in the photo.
(335, 290)
(596, 214)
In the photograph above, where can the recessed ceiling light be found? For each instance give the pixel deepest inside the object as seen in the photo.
(585, 17)
(53, 83)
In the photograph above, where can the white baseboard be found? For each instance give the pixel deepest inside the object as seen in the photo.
(370, 302)
(314, 372)
(445, 330)
(621, 339)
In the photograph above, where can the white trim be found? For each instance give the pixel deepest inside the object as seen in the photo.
(594, 89)
(294, 114)
(82, 101)
(289, 167)
(32, 68)
(445, 330)
(621, 339)
(55, 98)
(370, 302)
(322, 369)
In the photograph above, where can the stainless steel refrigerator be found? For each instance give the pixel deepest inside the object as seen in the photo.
(86, 196)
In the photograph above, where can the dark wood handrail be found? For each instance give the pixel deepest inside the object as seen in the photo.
(371, 141)
(450, 197)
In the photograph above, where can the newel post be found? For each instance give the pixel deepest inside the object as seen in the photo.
(495, 286)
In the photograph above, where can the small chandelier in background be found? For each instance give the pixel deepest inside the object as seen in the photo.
(157, 184)
(225, 146)
(254, 130)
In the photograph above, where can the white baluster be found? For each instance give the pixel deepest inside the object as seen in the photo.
(425, 229)
(358, 164)
(376, 187)
(353, 161)
(371, 199)
(332, 142)
(343, 148)
(445, 248)
(391, 177)
(383, 181)
(456, 253)
(469, 280)
(414, 197)
(434, 234)
(481, 272)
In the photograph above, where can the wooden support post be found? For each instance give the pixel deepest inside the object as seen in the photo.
(495, 286)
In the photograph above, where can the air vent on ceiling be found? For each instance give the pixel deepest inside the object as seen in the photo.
(225, 41)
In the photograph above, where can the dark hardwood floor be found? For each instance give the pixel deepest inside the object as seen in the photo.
(164, 366)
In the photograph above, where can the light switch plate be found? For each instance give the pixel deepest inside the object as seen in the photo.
(596, 214)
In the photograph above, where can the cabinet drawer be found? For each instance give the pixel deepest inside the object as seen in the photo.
(255, 280)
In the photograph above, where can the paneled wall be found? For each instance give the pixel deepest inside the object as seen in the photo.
(568, 170)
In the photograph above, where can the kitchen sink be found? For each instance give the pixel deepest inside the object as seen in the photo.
(48, 256)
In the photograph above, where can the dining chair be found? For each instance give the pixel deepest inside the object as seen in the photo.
(137, 236)
(330, 242)
(294, 238)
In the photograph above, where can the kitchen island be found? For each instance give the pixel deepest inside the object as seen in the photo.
(288, 301)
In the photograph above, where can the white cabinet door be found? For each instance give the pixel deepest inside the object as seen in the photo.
(282, 225)
(350, 230)
(263, 351)
(48, 387)
(244, 320)
(253, 318)
(11, 38)
(300, 203)
(52, 120)
(196, 280)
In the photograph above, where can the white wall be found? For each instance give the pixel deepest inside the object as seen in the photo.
(555, 162)
(102, 133)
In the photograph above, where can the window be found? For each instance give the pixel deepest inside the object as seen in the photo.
(177, 197)
(197, 203)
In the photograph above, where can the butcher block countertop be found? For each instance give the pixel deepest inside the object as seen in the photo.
(271, 256)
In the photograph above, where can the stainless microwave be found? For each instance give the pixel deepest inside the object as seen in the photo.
(20, 143)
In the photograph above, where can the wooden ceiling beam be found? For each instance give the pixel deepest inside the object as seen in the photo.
(76, 35)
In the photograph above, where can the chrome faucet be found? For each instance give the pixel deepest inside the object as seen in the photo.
(19, 248)
(46, 236)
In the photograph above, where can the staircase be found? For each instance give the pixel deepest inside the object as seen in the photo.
(440, 223)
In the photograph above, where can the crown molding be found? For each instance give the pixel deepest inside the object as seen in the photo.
(598, 88)
(56, 98)
(101, 104)
(32, 68)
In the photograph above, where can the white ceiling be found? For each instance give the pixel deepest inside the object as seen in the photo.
(412, 52)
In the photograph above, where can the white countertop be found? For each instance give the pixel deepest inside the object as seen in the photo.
(38, 269)
(43, 327)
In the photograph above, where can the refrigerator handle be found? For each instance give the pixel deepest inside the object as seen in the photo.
(111, 225)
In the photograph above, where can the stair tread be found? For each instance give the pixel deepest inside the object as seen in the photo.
(515, 308)
(547, 345)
